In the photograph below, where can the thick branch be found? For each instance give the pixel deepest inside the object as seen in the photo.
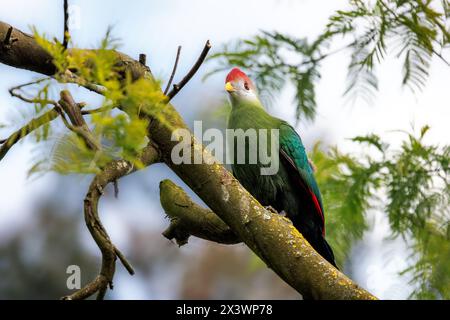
(189, 219)
(25, 53)
(112, 172)
(272, 237)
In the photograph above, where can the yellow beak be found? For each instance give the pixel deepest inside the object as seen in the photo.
(229, 87)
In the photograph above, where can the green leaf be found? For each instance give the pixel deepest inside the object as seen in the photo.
(373, 140)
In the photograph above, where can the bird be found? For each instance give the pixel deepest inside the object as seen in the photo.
(293, 189)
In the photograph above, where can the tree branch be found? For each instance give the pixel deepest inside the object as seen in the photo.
(70, 77)
(189, 219)
(13, 92)
(7, 40)
(175, 66)
(112, 172)
(26, 53)
(191, 73)
(34, 124)
(79, 125)
(66, 35)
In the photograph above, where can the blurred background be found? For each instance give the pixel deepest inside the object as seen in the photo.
(42, 229)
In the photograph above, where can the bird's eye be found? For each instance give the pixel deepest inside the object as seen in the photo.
(246, 86)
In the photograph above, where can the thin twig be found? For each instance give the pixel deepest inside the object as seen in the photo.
(191, 73)
(143, 59)
(66, 35)
(70, 77)
(175, 66)
(124, 261)
(61, 113)
(97, 110)
(67, 77)
(440, 56)
(7, 40)
(326, 55)
(78, 124)
(80, 131)
(13, 92)
(34, 124)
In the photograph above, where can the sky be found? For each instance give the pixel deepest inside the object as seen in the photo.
(156, 28)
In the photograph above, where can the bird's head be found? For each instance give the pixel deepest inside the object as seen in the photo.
(240, 87)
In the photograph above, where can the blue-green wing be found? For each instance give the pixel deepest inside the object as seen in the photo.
(293, 153)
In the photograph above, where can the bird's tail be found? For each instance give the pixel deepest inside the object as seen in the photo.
(324, 249)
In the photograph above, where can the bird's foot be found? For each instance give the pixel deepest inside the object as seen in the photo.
(271, 209)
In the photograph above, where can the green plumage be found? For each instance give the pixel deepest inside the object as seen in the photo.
(292, 190)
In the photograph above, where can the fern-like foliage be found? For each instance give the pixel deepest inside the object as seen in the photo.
(272, 59)
(121, 132)
(415, 31)
(414, 182)
(346, 190)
